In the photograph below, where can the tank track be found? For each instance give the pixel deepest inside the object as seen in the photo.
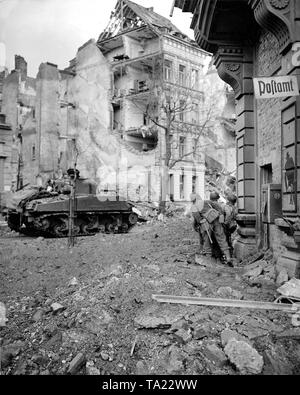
(45, 226)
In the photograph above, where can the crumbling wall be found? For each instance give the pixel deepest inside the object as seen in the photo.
(103, 156)
(10, 109)
(6, 141)
(10, 99)
(47, 108)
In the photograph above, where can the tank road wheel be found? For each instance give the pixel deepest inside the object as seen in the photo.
(110, 228)
(85, 229)
(124, 228)
(60, 230)
(101, 229)
(76, 230)
(133, 218)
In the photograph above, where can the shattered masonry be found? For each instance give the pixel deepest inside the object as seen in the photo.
(94, 111)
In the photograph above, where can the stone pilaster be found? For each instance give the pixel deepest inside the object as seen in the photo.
(176, 185)
(282, 19)
(188, 184)
(235, 66)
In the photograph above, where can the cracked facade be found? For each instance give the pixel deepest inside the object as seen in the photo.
(94, 112)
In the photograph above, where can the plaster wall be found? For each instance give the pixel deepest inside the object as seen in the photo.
(103, 156)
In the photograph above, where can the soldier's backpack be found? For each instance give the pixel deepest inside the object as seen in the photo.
(211, 215)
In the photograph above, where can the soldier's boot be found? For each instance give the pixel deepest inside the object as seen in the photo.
(227, 259)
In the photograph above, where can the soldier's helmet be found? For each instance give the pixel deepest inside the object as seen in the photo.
(71, 173)
(232, 199)
(194, 197)
(214, 196)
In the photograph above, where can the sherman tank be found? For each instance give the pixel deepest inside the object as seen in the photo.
(39, 211)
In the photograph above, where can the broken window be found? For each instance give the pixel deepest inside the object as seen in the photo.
(195, 147)
(182, 108)
(116, 117)
(195, 113)
(195, 79)
(171, 143)
(33, 152)
(182, 75)
(146, 120)
(181, 146)
(168, 75)
(194, 184)
(171, 187)
(181, 186)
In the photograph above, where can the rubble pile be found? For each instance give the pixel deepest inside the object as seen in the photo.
(262, 271)
(149, 212)
(216, 180)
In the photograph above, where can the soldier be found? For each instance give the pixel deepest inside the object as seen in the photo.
(218, 229)
(196, 207)
(230, 224)
(207, 215)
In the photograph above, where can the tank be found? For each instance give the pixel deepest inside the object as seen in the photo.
(37, 211)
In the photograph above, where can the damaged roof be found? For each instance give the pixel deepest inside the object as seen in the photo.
(152, 18)
(128, 15)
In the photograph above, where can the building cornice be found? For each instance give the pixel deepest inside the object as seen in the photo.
(275, 16)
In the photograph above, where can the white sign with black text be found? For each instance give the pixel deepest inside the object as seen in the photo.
(272, 87)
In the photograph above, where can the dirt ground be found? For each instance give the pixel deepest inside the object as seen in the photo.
(107, 321)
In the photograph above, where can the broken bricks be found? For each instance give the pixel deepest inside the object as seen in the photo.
(57, 307)
(3, 318)
(246, 359)
(215, 354)
(282, 277)
(76, 364)
(290, 289)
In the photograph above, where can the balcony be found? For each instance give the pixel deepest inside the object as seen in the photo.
(139, 88)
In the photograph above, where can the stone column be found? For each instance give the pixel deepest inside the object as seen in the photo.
(235, 66)
(200, 186)
(176, 185)
(188, 183)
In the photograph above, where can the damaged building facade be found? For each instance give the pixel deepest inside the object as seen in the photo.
(249, 39)
(7, 157)
(95, 113)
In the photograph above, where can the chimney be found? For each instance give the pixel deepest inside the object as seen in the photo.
(150, 9)
(21, 65)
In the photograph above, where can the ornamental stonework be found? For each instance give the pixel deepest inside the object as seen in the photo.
(279, 4)
(234, 67)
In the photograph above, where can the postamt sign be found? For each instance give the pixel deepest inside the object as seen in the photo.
(272, 87)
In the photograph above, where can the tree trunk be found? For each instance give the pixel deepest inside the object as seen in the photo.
(164, 189)
(166, 155)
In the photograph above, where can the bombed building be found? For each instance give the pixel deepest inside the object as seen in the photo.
(104, 113)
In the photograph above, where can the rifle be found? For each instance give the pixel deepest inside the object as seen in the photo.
(206, 227)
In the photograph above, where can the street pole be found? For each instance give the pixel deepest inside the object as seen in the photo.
(72, 202)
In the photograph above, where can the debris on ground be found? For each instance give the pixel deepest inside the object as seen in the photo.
(73, 282)
(2, 314)
(246, 359)
(290, 289)
(106, 321)
(76, 364)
